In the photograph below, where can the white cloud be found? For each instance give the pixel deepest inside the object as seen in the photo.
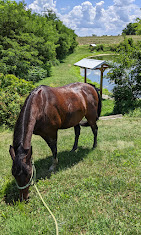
(88, 18)
(123, 3)
(41, 5)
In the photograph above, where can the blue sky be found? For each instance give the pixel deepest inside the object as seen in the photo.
(107, 17)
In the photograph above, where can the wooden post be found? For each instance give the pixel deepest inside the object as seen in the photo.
(101, 81)
(85, 77)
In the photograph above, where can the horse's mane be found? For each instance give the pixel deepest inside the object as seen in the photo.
(22, 121)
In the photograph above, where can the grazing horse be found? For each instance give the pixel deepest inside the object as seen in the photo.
(46, 110)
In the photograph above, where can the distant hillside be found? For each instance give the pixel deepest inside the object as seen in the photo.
(105, 39)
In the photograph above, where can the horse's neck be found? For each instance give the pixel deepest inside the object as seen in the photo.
(24, 126)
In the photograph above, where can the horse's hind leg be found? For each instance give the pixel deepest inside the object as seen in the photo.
(94, 130)
(77, 133)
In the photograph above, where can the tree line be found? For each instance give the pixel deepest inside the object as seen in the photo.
(31, 43)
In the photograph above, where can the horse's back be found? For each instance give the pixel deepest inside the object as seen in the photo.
(64, 107)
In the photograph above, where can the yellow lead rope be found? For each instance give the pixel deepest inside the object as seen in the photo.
(47, 209)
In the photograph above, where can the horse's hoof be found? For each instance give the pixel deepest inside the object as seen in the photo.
(52, 169)
(73, 150)
(94, 146)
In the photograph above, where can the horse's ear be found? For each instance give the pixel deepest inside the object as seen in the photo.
(29, 154)
(12, 152)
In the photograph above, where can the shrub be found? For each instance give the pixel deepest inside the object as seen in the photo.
(135, 113)
(20, 86)
(100, 47)
(12, 95)
(124, 99)
(113, 48)
(10, 103)
(126, 73)
(3, 68)
(36, 74)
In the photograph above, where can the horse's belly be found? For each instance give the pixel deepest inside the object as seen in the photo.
(71, 120)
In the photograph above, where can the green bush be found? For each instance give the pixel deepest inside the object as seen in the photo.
(100, 47)
(20, 86)
(12, 95)
(10, 103)
(36, 74)
(124, 99)
(126, 74)
(135, 113)
(113, 48)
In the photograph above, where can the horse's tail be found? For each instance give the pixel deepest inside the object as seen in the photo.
(99, 103)
(85, 123)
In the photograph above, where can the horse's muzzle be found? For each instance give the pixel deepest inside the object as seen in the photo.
(24, 194)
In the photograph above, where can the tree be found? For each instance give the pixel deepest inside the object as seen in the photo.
(130, 29)
(126, 74)
(133, 28)
(30, 41)
(138, 26)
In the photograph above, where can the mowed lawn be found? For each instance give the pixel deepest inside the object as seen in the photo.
(93, 191)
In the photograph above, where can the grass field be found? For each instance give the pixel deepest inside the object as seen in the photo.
(93, 191)
(105, 39)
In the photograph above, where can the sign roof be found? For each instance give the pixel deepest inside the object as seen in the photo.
(90, 63)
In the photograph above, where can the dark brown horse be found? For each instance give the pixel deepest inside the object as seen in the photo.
(45, 111)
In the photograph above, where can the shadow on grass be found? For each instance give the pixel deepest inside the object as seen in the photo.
(66, 160)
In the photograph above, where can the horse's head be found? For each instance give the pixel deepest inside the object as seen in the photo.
(22, 169)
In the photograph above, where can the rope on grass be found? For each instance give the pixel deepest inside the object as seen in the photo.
(47, 209)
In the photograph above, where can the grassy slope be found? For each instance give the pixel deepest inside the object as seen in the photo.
(66, 72)
(93, 192)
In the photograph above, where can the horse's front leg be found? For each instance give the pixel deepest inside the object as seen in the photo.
(52, 143)
(77, 133)
(54, 159)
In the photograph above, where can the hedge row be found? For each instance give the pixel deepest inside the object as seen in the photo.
(12, 95)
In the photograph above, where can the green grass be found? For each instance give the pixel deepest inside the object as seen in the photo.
(92, 192)
(107, 107)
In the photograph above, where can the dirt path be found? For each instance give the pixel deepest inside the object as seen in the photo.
(111, 117)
